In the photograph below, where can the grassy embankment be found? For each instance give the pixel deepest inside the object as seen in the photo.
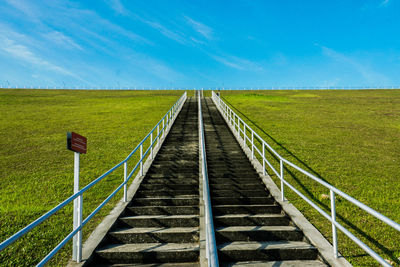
(36, 169)
(350, 139)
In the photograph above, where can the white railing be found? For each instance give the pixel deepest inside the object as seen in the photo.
(211, 247)
(165, 123)
(241, 128)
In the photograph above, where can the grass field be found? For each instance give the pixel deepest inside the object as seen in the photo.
(36, 169)
(350, 139)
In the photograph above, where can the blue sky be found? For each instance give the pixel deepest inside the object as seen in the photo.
(238, 43)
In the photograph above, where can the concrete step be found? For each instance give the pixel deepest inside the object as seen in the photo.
(258, 233)
(251, 179)
(180, 162)
(237, 169)
(159, 221)
(166, 155)
(221, 158)
(155, 235)
(239, 193)
(177, 147)
(291, 263)
(251, 220)
(172, 172)
(168, 186)
(166, 193)
(269, 251)
(162, 210)
(236, 164)
(232, 174)
(242, 200)
(252, 186)
(180, 179)
(175, 264)
(246, 209)
(173, 165)
(149, 252)
(168, 201)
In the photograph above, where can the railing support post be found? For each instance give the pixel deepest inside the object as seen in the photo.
(151, 145)
(244, 135)
(282, 184)
(263, 157)
(333, 216)
(238, 128)
(158, 135)
(125, 185)
(163, 127)
(141, 159)
(77, 221)
(252, 144)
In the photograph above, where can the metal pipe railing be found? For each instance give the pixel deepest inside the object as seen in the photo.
(167, 121)
(229, 116)
(211, 246)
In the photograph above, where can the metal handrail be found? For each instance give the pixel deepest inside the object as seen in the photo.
(211, 246)
(236, 122)
(167, 121)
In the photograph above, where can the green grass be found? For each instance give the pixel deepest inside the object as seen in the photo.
(36, 169)
(350, 139)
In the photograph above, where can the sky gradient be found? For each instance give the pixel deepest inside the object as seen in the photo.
(176, 44)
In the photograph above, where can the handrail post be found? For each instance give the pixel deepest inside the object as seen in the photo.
(333, 216)
(282, 184)
(163, 127)
(77, 220)
(79, 234)
(141, 159)
(263, 157)
(238, 126)
(252, 144)
(125, 185)
(151, 145)
(158, 135)
(244, 135)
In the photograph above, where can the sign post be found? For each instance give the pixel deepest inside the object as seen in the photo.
(78, 144)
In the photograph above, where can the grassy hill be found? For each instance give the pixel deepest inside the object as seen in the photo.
(351, 139)
(36, 169)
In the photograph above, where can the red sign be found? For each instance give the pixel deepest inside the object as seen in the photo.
(76, 142)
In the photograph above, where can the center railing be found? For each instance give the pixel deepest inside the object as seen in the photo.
(249, 135)
(165, 123)
(211, 247)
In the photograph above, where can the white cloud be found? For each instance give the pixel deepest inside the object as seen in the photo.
(61, 39)
(165, 31)
(23, 53)
(25, 7)
(201, 28)
(238, 63)
(117, 6)
(385, 3)
(366, 72)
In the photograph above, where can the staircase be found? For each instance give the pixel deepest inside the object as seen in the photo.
(250, 227)
(160, 226)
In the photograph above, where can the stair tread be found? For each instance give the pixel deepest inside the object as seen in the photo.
(289, 263)
(162, 197)
(159, 216)
(246, 206)
(140, 230)
(148, 247)
(177, 264)
(256, 228)
(249, 215)
(269, 245)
